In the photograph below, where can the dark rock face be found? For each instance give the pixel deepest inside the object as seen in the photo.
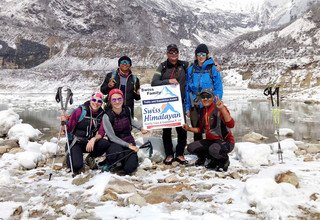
(7, 54)
(27, 55)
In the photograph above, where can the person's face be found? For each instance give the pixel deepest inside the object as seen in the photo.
(95, 103)
(206, 99)
(116, 101)
(124, 65)
(201, 58)
(173, 56)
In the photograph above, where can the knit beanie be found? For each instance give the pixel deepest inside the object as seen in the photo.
(124, 58)
(97, 95)
(115, 91)
(202, 48)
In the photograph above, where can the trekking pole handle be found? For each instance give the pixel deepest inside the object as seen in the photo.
(268, 91)
(69, 98)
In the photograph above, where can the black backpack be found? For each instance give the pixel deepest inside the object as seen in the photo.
(165, 64)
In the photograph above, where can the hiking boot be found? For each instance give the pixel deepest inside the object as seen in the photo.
(212, 165)
(105, 168)
(91, 162)
(224, 165)
(102, 163)
(200, 161)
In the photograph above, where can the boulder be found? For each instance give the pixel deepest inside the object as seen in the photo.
(254, 137)
(136, 199)
(121, 186)
(288, 177)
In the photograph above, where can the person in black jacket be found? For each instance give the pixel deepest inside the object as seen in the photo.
(172, 71)
(123, 79)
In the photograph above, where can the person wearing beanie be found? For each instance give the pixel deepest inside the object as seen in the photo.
(82, 127)
(172, 71)
(122, 78)
(201, 74)
(116, 125)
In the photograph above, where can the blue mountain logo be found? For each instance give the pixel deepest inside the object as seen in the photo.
(165, 92)
(167, 108)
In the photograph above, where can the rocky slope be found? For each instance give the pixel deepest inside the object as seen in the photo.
(287, 56)
(94, 32)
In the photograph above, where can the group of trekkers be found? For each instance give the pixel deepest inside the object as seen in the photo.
(100, 129)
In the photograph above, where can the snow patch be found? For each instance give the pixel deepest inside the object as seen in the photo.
(28, 159)
(23, 130)
(8, 118)
(297, 28)
(251, 154)
(286, 145)
(49, 148)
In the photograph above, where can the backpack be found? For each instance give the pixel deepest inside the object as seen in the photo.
(164, 67)
(83, 113)
(134, 78)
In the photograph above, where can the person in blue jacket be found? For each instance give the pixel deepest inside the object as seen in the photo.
(201, 74)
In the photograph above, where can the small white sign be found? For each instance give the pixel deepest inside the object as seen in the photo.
(161, 106)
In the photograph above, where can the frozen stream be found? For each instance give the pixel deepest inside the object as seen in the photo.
(251, 111)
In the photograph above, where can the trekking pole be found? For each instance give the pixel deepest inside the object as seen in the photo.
(276, 115)
(146, 145)
(58, 99)
(63, 125)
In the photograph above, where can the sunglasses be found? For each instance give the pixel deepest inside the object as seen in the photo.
(124, 62)
(120, 99)
(173, 52)
(96, 100)
(206, 96)
(201, 54)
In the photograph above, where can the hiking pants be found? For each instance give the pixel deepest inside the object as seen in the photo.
(77, 150)
(195, 122)
(167, 141)
(128, 158)
(211, 149)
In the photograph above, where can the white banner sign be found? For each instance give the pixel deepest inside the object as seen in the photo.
(161, 106)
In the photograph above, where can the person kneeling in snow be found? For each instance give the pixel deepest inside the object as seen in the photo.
(82, 127)
(215, 121)
(117, 125)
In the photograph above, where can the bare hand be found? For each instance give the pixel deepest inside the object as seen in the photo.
(173, 81)
(62, 132)
(133, 147)
(137, 92)
(111, 83)
(219, 67)
(186, 127)
(63, 117)
(219, 103)
(144, 131)
(217, 64)
(90, 144)
(188, 114)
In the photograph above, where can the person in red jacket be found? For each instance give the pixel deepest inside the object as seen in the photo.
(215, 122)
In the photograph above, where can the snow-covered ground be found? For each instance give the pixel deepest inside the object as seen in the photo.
(250, 189)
